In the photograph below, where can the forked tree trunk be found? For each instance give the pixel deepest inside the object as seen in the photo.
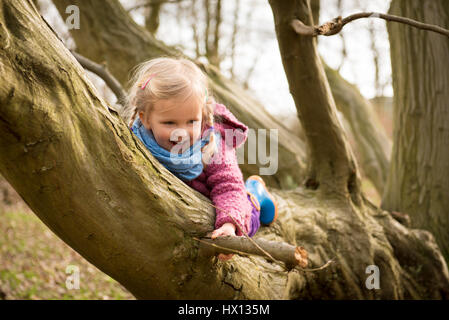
(94, 184)
(418, 181)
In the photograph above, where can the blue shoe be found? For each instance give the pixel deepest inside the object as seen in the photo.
(268, 206)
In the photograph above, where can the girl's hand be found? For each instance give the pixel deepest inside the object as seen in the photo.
(228, 229)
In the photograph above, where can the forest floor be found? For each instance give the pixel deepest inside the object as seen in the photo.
(36, 264)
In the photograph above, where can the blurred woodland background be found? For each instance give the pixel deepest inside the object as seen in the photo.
(238, 38)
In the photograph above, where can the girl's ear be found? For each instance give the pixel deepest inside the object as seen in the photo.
(144, 121)
(141, 115)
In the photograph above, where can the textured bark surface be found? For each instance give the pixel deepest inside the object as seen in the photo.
(418, 181)
(94, 184)
(108, 34)
(332, 169)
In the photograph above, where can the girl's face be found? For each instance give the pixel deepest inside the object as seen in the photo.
(169, 116)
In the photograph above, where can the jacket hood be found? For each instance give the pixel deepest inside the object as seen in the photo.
(226, 121)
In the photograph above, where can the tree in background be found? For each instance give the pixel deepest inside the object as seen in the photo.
(418, 183)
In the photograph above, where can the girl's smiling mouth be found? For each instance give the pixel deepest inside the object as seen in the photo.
(183, 145)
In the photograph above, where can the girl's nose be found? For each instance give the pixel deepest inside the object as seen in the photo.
(179, 135)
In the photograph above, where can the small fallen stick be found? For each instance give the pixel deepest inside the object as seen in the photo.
(280, 251)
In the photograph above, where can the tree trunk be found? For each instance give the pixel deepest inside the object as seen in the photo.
(85, 175)
(108, 34)
(418, 181)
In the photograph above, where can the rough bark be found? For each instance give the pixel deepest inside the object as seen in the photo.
(94, 184)
(417, 180)
(108, 34)
(332, 169)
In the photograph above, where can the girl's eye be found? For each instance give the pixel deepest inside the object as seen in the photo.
(168, 122)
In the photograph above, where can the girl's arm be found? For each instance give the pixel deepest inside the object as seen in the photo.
(228, 192)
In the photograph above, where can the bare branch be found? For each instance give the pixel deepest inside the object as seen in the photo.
(103, 73)
(333, 27)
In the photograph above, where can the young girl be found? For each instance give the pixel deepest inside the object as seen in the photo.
(171, 110)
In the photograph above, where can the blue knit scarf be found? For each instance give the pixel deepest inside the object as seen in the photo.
(186, 166)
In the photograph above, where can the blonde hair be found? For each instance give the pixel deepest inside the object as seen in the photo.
(168, 78)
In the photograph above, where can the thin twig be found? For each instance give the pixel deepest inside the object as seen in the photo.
(316, 269)
(333, 27)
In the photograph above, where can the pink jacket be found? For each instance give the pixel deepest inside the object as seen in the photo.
(222, 180)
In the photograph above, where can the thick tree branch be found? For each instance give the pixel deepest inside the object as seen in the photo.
(336, 25)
